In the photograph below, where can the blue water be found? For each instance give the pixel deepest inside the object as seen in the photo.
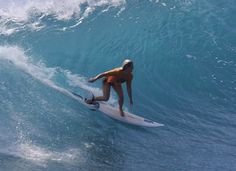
(184, 77)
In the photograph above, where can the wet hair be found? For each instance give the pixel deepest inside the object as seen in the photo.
(127, 65)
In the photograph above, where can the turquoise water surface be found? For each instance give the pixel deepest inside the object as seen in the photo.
(184, 54)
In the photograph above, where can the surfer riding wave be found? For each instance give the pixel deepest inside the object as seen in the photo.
(114, 78)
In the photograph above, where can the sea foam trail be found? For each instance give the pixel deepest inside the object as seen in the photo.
(44, 74)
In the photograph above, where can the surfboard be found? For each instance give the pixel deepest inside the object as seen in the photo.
(115, 114)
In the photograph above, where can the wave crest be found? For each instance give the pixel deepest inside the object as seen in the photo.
(17, 14)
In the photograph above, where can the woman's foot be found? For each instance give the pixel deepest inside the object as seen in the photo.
(89, 101)
(122, 113)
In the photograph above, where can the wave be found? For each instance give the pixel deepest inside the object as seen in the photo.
(16, 15)
(17, 144)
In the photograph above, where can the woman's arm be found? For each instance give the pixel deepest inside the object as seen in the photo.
(104, 74)
(96, 77)
(129, 91)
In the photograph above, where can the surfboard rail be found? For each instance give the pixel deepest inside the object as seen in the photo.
(115, 114)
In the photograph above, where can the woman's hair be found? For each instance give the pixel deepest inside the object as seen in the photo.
(126, 64)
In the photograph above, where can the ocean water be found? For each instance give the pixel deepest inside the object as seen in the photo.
(184, 54)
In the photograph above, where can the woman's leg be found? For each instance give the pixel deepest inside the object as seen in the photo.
(118, 89)
(106, 87)
(106, 92)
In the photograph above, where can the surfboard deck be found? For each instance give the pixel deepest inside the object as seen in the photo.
(115, 114)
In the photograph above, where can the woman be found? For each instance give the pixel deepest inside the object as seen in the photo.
(114, 78)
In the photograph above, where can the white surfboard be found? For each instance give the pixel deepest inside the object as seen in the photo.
(114, 113)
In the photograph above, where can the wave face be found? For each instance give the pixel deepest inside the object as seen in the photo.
(184, 77)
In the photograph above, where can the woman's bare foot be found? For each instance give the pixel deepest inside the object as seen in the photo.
(89, 101)
(122, 113)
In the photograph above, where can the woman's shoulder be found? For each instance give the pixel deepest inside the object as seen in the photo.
(113, 71)
(117, 69)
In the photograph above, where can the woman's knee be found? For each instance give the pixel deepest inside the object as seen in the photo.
(106, 98)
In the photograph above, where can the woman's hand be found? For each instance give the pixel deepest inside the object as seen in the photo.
(91, 80)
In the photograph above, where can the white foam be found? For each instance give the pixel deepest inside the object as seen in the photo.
(38, 70)
(7, 31)
(78, 81)
(17, 56)
(28, 12)
(41, 156)
(61, 9)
